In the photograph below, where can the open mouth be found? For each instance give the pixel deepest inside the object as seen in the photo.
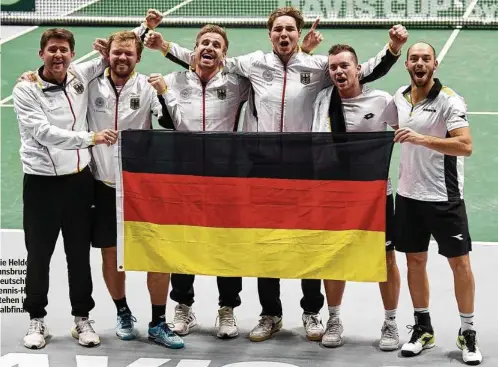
(420, 74)
(207, 57)
(284, 43)
(341, 79)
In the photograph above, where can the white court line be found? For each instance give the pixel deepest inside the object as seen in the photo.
(477, 243)
(34, 27)
(17, 35)
(482, 113)
(7, 99)
(90, 54)
(455, 33)
(168, 12)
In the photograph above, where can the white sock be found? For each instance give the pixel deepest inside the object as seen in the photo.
(334, 311)
(390, 314)
(467, 320)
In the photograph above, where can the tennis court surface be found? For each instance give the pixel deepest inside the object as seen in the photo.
(468, 55)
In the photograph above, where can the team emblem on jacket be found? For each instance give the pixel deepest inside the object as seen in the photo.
(99, 102)
(222, 93)
(135, 102)
(186, 93)
(268, 75)
(305, 78)
(78, 87)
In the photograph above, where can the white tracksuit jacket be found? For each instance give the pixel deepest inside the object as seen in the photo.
(130, 108)
(282, 97)
(213, 106)
(52, 121)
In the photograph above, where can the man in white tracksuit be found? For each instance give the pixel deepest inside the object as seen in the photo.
(350, 106)
(285, 83)
(58, 184)
(123, 99)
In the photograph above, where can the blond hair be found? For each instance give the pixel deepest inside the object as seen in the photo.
(211, 28)
(124, 36)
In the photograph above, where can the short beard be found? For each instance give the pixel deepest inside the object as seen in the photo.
(427, 80)
(120, 74)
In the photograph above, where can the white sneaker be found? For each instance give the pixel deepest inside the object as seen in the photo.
(228, 327)
(389, 339)
(422, 338)
(83, 331)
(184, 319)
(313, 325)
(266, 327)
(332, 338)
(467, 342)
(36, 335)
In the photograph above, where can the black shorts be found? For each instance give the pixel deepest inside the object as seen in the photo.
(104, 232)
(390, 223)
(446, 221)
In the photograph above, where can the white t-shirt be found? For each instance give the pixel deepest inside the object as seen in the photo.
(363, 113)
(426, 174)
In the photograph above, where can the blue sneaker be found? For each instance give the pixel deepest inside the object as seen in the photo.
(125, 329)
(162, 334)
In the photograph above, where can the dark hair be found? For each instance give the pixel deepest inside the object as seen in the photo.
(59, 33)
(337, 49)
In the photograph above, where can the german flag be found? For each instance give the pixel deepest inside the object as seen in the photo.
(283, 205)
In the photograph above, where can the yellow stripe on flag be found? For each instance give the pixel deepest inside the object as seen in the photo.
(353, 255)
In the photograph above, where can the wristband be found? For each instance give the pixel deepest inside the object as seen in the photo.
(391, 50)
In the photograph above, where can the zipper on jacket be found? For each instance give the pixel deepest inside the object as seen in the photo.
(283, 99)
(117, 94)
(116, 109)
(203, 106)
(72, 127)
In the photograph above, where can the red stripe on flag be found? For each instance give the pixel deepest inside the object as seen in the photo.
(227, 202)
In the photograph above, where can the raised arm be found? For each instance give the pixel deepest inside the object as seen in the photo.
(32, 118)
(379, 65)
(172, 51)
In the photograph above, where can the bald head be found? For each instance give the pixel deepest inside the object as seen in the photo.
(421, 47)
(421, 64)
